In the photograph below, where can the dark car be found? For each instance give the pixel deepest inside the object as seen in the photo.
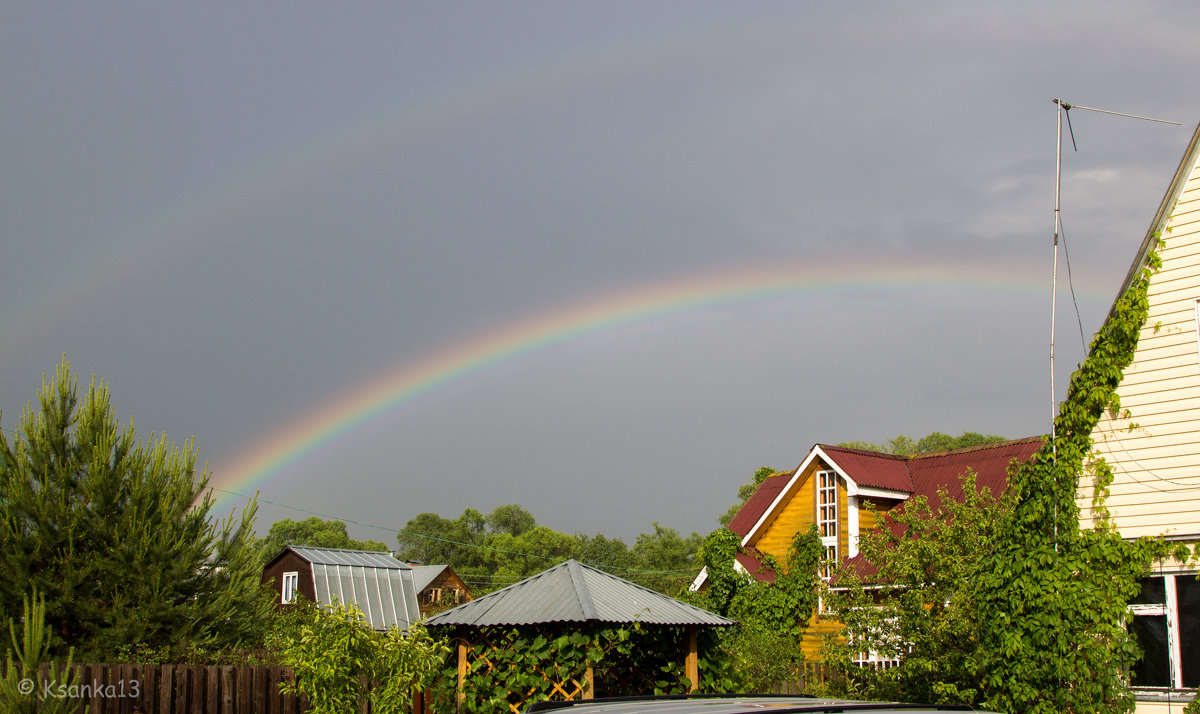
(733, 704)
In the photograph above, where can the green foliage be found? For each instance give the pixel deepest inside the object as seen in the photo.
(492, 551)
(339, 661)
(763, 650)
(521, 665)
(918, 605)
(315, 532)
(669, 553)
(25, 653)
(1054, 638)
(511, 519)
(116, 533)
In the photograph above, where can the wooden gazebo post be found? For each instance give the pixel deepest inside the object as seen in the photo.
(461, 696)
(589, 682)
(691, 662)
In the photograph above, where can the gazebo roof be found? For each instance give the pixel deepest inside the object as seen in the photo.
(574, 592)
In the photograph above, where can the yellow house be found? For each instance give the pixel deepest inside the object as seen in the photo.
(831, 488)
(1152, 445)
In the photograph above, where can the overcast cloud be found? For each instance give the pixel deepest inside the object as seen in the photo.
(237, 215)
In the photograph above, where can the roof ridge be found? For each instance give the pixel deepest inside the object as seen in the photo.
(581, 590)
(977, 447)
(341, 550)
(856, 450)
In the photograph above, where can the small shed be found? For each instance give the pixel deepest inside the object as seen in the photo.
(569, 599)
(381, 586)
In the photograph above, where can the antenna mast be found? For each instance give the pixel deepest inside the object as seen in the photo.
(1063, 108)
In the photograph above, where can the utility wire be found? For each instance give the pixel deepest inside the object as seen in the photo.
(1062, 232)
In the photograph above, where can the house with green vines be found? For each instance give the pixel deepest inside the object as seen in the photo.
(1143, 476)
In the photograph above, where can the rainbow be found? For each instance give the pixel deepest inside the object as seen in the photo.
(270, 458)
(422, 114)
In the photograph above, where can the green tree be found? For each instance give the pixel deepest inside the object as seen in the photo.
(510, 519)
(667, 558)
(116, 534)
(434, 540)
(29, 649)
(315, 532)
(339, 661)
(608, 554)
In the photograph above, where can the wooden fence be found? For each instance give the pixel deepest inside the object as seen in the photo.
(173, 689)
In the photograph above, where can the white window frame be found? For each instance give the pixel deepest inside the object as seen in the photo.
(827, 503)
(1169, 609)
(289, 587)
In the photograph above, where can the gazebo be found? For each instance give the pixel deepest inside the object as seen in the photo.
(561, 608)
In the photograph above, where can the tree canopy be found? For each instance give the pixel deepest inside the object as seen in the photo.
(116, 534)
(506, 545)
(315, 532)
(936, 441)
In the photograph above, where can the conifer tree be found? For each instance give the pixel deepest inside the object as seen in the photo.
(116, 534)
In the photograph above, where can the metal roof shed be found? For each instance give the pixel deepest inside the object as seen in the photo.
(381, 586)
(574, 594)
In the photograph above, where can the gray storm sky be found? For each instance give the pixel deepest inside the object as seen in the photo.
(238, 216)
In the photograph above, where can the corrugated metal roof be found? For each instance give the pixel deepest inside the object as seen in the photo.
(340, 556)
(758, 503)
(872, 469)
(574, 592)
(382, 587)
(943, 470)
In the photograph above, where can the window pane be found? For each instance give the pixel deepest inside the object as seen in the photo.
(1152, 593)
(1152, 670)
(1187, 593)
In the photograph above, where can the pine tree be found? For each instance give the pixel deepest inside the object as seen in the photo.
(116, 534)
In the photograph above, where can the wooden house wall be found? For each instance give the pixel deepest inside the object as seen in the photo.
(447, 580)
(795, 514)
(1154, 452)
(289, 562)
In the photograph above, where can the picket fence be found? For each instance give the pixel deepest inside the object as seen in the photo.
(173, 689)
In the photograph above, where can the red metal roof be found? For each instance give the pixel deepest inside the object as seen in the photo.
(989, 461)
(755, 506)
(751, 560)
(918, 475)
(931, 472)
(872, 469)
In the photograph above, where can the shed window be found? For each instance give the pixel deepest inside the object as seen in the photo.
(1165, 621)
(291, 581)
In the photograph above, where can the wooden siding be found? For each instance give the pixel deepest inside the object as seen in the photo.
(797, 511)
(1155, 450)
(289, 562)
(447, 582)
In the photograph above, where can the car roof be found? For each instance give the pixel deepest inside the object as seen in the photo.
(732, 704)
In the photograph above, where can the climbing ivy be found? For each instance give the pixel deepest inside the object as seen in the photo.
(1052, 595)
(512, 667)
(761, 652)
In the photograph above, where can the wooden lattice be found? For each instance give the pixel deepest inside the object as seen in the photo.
(558, 684)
